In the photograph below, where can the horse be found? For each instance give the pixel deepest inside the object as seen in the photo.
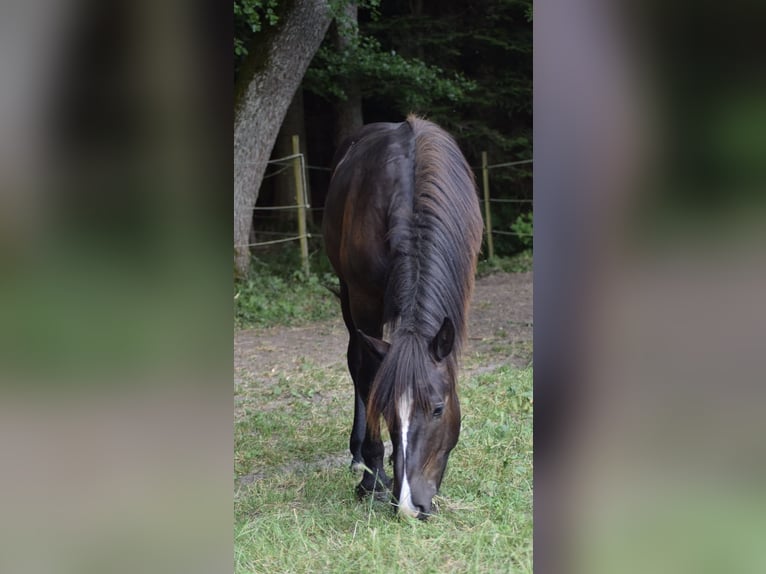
(402, 229)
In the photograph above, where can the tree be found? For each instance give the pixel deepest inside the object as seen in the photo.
(348, 110)
(409, 84)
(271, 66)
(466, 65)
(489, 43)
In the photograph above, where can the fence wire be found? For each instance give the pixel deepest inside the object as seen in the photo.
(286, 160)
(275, 241)
(500, 232)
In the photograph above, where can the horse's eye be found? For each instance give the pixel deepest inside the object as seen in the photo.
(438, 411)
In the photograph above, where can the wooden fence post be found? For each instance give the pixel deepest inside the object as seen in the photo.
(487, 214)
(301, 200)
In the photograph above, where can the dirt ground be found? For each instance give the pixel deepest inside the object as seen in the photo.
(500, 333)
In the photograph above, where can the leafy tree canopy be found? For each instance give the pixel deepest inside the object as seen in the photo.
(408, 83)
(466, 64)
(250, 17)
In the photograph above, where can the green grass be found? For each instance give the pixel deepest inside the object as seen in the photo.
(294, 420)
(278, 293)
(300, 513)
(519, 263)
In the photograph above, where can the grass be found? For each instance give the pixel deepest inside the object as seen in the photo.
(295, 510)
(294, 419)
(300, 514)
(519, 263)
(278, 293)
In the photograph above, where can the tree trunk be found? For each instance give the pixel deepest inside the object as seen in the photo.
(348, 113)
(268, 79)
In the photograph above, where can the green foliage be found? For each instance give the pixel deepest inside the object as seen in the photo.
(523, 228)
(250, 17)
(519, 263)
(490, 43)
(302, 495)
(278, 293)
(253, 16)
(466, 66)
(408, 83)
(350, 26)
(515, 183)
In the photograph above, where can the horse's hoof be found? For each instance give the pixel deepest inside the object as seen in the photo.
(362, 492)
(380, 492)
(356, 466)
(382, 495)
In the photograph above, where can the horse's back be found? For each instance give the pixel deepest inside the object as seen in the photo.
(401, 219)
(369, 169)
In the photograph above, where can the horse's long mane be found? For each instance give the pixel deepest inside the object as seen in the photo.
(434, 235)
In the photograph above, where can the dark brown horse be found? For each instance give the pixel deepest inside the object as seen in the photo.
(402, 229)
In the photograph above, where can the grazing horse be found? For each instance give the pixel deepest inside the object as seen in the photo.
(403, 229)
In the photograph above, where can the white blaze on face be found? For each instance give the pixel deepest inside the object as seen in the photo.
(404, 409)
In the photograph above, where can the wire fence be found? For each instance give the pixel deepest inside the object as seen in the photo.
(300, 168)
(302, 204)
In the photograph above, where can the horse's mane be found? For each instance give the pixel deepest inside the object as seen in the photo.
(434, 235)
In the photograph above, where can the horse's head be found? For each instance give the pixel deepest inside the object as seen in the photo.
(416, 392)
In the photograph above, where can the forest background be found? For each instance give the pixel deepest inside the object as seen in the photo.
(464, 65)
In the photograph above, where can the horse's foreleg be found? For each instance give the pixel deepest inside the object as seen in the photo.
(354, 357)
(358, 432)
(375, 480)
(367, 453)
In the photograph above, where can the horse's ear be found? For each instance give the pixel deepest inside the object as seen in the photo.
(442, 344)
(378, 347)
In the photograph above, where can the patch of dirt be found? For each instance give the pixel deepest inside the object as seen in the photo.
(500, 322)
(262, 357)
(499, 333)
